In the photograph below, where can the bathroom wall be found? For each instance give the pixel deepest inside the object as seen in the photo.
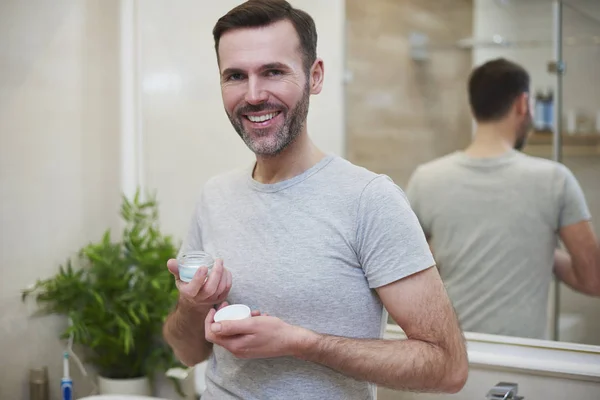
(59, 164)
(402, 112)
(531, 23)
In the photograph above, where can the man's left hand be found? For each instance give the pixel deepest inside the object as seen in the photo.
(260, 336)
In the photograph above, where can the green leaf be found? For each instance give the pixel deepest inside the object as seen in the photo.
(134, 317)
(98, 299)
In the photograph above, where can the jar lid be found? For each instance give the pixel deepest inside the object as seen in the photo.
(233, 312)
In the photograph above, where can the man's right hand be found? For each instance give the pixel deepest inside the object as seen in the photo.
(201, 293)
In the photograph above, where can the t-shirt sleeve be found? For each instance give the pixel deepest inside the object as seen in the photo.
(572, 204)
(415, 200)
(390, 242)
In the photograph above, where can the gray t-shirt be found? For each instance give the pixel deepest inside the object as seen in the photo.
(309, 250)
(493, 225)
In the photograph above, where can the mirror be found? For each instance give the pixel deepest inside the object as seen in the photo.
(407, 104)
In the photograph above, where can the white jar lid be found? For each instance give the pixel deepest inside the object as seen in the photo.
(233, 312)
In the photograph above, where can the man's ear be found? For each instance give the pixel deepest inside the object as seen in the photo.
(523, 105)
(317, 72)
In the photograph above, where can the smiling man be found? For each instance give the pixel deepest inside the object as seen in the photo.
(318, 245)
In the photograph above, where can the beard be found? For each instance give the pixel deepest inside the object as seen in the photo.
(523, 133)
(265, 142)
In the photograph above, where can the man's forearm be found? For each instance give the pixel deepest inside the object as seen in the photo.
(409, 364)
(563, 268)
(184, 332)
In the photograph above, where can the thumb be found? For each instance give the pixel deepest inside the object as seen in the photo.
(173, 267)
(233, 327)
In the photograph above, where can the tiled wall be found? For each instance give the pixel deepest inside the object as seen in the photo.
(401, 112)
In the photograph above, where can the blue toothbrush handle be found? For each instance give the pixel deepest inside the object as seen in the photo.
(66, 389)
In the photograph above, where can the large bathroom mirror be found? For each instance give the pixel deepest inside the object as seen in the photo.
(407, 67)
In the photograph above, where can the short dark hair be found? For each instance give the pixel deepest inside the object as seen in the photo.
(259, 13)
(493, 88)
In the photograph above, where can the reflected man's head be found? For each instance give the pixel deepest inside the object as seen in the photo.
(499, 92)
(267, 57)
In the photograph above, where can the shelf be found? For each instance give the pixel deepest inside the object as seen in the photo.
(578, 139)
(540, 144)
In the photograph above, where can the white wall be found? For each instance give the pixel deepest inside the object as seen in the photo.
(187, 136)
(59, 164)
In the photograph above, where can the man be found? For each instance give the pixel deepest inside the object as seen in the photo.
(493, 215)
(317, 244)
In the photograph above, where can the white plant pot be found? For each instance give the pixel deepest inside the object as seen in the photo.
(135, 386)
(186, 379)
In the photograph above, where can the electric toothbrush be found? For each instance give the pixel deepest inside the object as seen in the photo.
(66, 384)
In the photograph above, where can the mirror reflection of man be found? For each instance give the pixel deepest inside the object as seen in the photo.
(493, 215)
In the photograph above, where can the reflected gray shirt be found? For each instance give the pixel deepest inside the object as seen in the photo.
(493, 225)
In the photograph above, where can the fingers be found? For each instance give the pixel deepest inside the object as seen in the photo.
(173, 267)
(204, 288)
(257, 313)
(232, 328)
(192, 288)
(223, 304)
(208, 321)
(229, 281)
(222, 288)
(211, 286)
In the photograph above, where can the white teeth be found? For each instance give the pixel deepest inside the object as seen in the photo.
(261, 118)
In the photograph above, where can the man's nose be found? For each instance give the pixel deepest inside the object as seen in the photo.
(256, 93)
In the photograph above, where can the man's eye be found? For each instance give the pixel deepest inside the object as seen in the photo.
(235, 77)
(274, 72)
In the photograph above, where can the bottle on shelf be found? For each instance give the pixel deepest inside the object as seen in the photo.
(539, 111)
(549, 110)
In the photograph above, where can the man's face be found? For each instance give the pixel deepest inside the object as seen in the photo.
(264, 85)
(525, 124)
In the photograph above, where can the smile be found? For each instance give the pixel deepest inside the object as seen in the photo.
(262, 118)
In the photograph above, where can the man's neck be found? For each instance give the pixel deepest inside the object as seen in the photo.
(491, 140)
(299, 156)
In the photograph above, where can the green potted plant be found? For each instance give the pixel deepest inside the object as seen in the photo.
(116, 298)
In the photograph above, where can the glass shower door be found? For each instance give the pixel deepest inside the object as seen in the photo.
(577, 145)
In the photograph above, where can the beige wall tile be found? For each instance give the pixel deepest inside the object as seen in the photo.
(401, 112)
